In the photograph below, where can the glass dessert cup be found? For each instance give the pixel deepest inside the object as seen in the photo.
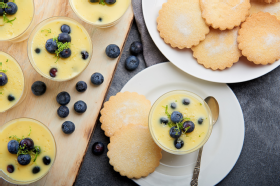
(83, 14)
(17, 79)
(44, 170)
(25, 18)
(83, 40)
(164, 146)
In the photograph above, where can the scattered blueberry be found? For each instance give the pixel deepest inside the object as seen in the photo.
(81, 86)
(13, 146)
(131, 63)
(97, 78)
(64, 37)
(65, 29)
(68, 127)
(85, 55)
(190, 125)
(200, 121)
(80, 106)
(164, 120)
(38, 88)
(11, 9)
(113, 51)
(178, 143)
(97, 148)
(63, 98)
(175, 132)
(10, 168)
(27, 143)
(186, 101)
(24, 159)
(176, 117)
(36, 170)
(110, 2)
(100, 19)
(3, 79)
(46, 160)
(11, 98)
(53, 72)
(63, 111)
(1, 11)
(51, 46)
(37, 50)
(65, 53)
(173, 105)
(136, 48)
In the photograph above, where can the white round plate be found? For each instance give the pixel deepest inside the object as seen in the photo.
(225, 143)
(183, 59)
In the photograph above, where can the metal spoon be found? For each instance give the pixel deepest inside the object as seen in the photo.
(214, 107)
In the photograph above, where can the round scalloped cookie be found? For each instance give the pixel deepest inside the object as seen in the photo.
(273, 9)
(225, 14)
(133, 152)
(123, 109)
(268, 1)
(259, 38)
(219, 50)
(180, 23)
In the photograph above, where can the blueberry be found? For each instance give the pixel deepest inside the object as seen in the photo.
(98, 148)
(63, 111)
(97, 78)
(11, 98)
(38, 50)
(63, 98)
(36, 170)
(131, 63)
(65, 29)
(163, 120)
(84, 55)
(3, 79)
(176, 117)
(36, 150)
(11, 9)
(27, 144)
(173, 105)
(10, 168)
(6, 1)
(175, 132)
(24, 159)
(200, 121)
(94, 1)
(100, 19)
(136, 48)
(51, 46)
(68, 127)
(66, 53)
(64, 37)
(188, 124)
(110, 2)
(39, 88)
(81, 86)
(178, 143)
(46, 160)
(113, 51)
(186, 101)
(53, 72)
(1, 11)
(80, 106)
(13, 146)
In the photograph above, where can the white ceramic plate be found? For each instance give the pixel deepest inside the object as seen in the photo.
(223, 147)
(183, 59)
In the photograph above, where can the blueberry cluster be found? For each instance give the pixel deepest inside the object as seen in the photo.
(132, 62)
(8, 8)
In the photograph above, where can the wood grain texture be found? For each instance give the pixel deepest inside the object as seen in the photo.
(70, 149)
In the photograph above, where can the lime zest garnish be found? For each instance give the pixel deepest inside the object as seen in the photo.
(60, 47)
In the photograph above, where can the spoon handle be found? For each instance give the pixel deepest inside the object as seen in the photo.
(196, 170)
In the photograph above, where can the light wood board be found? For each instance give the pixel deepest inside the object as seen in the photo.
(70, 149)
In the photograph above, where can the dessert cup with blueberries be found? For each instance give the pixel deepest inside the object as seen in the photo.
(59, 48)
(28, 149)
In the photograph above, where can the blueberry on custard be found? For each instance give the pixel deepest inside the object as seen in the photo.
(3, 79)
(175, 132)
(66, 53)
(64, 37)
(164, 120)
(11, 98)
(176, 117)
(85, 55)
(24, 159)
(36, 170)
(200, 121)
(13, 146)
(26, 144)
(51, 46)
(53, 72)
(11, 9)
(10, 168)
(186, 101)
(110, 2)
(178, 143)
(46, 160)
(173, 105)
(188, 126)
(65, 29)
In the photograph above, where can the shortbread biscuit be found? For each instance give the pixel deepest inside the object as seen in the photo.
(273, 9)
(180, 23)
(219, 50)
(224, 14)
(122, 109)
(133, 152)
(269, 1)
(259, 38)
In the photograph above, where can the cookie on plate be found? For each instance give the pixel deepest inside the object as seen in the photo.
(122, 109)
(224, 14)
(273, 9)
(268, 1)
(259, 38)
(180, 23)
(133, 152)
(219, 50)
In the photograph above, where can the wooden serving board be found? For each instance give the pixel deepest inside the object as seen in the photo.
(70, 148)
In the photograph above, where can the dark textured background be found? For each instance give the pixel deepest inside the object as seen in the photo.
(259, 162)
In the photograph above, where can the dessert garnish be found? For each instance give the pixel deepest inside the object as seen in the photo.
(38, 88)
(80, 107)
(48, 31)
(68, 127)
(63, 111)
(9, 8)
(103, 2)
(97, 78)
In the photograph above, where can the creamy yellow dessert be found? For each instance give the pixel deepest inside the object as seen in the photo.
(100, 12)
(59, 48)
(27, 150)
(15, 18)
(179, 121)
(11, 82)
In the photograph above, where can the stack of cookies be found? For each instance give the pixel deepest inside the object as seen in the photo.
(220, 32)
(132, 150)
